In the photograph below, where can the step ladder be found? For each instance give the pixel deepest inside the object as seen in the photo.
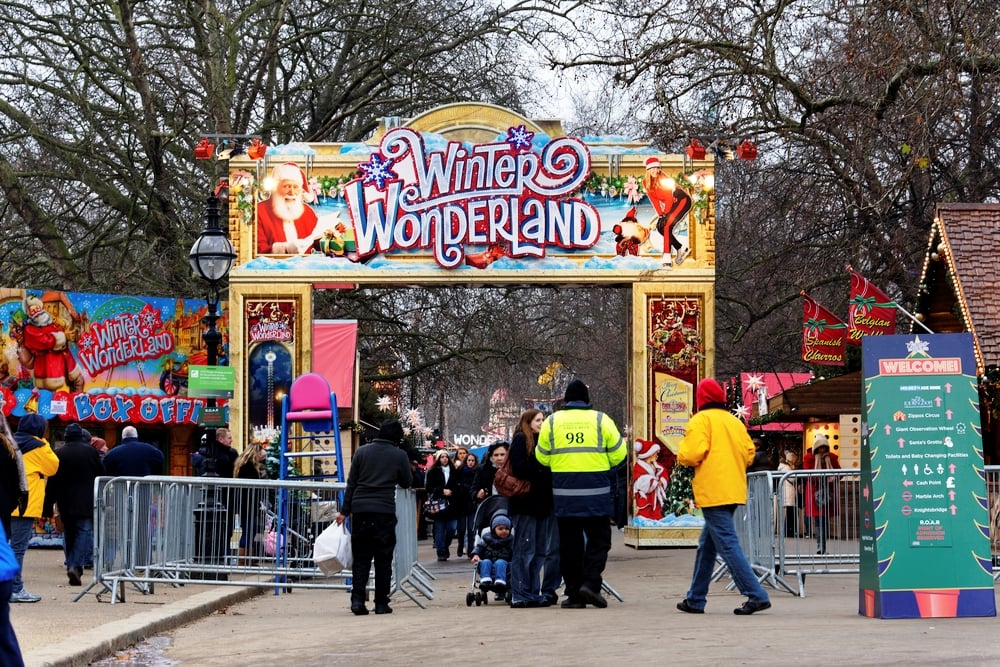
(310, 441)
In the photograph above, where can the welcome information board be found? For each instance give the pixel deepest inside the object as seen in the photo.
(925, 547)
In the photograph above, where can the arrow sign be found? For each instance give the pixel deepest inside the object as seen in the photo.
(907, 482)
(948, 414)
(937, 401)
(953, 510)
(901, 443)
(947, 387)
(888, 430)
(951, 495)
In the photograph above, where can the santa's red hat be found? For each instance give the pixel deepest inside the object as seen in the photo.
(645, 448)
(652, 162)
(289, 171)
(630, 215)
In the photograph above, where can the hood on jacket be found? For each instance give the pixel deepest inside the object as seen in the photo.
(30, 431)
(709, 391)
(32, 424)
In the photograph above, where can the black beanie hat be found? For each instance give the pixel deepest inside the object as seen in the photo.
(392, 431)
(577, 392)
(74, 434)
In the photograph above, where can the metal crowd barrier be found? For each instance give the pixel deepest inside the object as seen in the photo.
(782, 544)
(821, 534)
(993, 492)
(236, 532)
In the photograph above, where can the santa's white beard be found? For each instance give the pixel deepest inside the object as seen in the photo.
(288, 208)
(42, 319)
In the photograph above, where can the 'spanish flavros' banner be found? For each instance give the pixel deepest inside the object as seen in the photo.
(871, 312)
(487, 194)
(925, 512)
(824, 335)
(100, 357)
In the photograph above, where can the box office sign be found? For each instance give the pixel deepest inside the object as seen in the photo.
(87, 357)
(925, 549)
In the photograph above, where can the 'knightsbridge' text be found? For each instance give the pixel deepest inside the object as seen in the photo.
(486, 194)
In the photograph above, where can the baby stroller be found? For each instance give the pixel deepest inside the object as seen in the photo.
(489, 508)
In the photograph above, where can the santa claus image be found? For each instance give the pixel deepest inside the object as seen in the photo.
(649, 480)
(285, 224)
(672, 204)
(44, 350)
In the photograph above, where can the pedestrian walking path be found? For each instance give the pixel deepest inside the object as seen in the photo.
(315, 627)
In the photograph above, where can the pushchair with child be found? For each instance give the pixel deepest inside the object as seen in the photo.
(491, 507)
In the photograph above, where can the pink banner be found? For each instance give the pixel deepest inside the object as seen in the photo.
(334, 350)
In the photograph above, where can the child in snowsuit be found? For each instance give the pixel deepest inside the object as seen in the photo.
(492, 553)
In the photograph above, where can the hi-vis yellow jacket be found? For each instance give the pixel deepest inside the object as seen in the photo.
(716, 444)
(580, 446)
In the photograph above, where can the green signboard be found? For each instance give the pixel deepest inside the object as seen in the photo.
(925, 547)
(211, 381)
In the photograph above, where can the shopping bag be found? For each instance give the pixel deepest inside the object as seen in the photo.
(434, 507)
(271, 541)
(332, 550)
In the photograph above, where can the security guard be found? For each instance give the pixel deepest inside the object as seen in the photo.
(581, 446)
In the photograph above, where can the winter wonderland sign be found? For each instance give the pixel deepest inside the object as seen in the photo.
(488, 194)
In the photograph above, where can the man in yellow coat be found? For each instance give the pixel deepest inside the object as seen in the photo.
(716, 444)
(40, 463)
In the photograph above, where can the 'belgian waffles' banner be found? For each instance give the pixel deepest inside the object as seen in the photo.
(925, 521)
(870, 311)
(824, 335)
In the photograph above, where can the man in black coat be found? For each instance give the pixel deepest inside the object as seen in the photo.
(133, 457)
(71, 489)
(370, 500)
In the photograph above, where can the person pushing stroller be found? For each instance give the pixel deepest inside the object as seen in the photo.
(492, 553)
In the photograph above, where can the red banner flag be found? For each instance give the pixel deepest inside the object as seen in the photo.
(824, 335)
(870, 311)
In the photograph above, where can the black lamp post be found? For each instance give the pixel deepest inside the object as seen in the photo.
(211, 258)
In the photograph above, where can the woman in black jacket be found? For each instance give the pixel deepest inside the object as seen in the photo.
(536, 537)
(443, 484)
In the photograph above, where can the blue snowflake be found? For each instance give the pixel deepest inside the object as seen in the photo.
(519, 137)
(377, 171)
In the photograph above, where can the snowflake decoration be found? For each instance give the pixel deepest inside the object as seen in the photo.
(519, 137)
(87, 342)
(742, 411)
(149, 319)
(377, 171)
(384, 403)
(917, 346)
(412, 417)
(755, 383)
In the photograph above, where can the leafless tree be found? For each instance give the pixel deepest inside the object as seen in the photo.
(867, 115)
(103, 102)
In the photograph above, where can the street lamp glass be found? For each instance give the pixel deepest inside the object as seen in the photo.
(212, 255)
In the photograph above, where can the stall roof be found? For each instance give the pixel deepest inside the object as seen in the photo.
(964, 244)
(819, 399)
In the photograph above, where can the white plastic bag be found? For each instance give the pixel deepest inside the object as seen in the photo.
(332, 550)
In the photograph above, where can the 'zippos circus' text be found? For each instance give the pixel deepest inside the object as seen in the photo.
(498, 193)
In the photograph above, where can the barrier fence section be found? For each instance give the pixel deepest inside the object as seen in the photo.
(806, 522)
(237, 532)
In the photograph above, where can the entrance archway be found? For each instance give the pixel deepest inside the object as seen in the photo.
(477, 195)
